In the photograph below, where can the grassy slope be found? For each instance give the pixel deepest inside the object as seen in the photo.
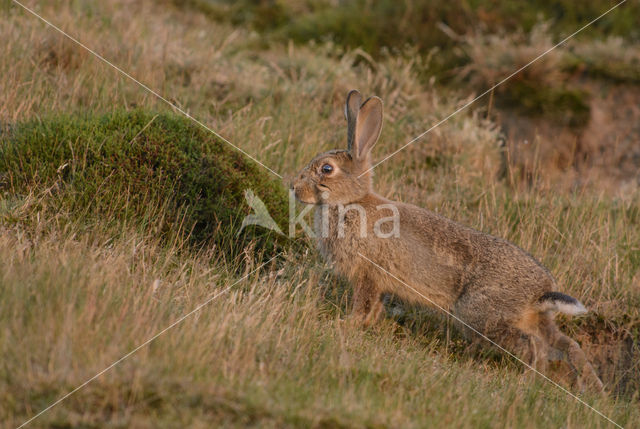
(271, 352)
(160, 173)
(274, 351)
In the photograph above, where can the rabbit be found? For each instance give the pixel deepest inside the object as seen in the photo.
(489, 283)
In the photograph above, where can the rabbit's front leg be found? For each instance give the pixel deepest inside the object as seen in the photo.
(367, 303)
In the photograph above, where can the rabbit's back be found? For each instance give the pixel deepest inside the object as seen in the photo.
(497, 268)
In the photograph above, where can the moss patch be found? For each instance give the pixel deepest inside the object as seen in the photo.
(155, 172)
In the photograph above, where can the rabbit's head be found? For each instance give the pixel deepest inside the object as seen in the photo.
(341, 176)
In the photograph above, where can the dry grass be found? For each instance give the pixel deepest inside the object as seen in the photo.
(274, 351)
(495, 56)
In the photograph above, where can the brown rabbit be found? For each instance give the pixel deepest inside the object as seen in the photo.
(489, 283)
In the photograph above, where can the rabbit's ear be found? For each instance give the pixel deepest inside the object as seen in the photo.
(368, 127)
(351, 109)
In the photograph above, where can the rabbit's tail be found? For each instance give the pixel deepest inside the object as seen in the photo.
(559, 302)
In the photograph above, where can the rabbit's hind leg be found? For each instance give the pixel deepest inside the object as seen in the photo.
(539, 355)
(571, 352)
(481, 329)
(524, 343)
(528, 348)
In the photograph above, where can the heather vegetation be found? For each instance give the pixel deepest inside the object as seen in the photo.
(118, 215)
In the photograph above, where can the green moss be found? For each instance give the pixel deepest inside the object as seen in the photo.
(160, 173)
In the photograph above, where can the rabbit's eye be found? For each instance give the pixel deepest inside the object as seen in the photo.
(327, 168)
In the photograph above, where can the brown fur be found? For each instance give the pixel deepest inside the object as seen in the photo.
(489, 283)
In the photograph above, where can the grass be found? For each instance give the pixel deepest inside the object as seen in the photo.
(87, 274)
(271, 352)
(161, 173)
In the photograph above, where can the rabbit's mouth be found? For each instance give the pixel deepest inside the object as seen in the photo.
(303, 195)
(324, 187)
